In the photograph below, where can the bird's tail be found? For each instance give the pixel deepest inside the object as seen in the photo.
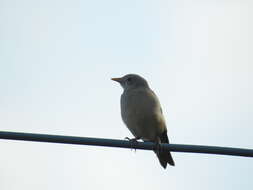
(164, 156)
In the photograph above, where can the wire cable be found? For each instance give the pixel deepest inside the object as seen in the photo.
(125, 144)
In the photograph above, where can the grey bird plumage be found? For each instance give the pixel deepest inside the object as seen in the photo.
(142, 114)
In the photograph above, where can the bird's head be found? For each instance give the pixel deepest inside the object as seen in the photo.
(131, 81)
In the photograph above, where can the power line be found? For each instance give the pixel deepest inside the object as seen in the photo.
(124, 144)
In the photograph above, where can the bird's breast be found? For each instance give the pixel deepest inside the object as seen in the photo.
(140, 111)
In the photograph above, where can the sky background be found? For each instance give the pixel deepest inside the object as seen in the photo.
(56, 61)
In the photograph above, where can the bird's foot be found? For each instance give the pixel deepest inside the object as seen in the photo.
(133, 141)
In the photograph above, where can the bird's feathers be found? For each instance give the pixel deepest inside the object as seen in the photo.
(164, 156)
(142, 114)
(140, 110)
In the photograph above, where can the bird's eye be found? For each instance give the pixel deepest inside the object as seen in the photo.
(129, 79)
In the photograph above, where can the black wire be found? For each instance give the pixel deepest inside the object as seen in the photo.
(124, 144)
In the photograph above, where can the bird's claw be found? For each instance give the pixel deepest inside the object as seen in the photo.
(133, 142)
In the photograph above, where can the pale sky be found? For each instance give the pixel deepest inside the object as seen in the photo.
(56, 61)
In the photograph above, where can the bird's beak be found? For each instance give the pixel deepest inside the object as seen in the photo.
(117, 79)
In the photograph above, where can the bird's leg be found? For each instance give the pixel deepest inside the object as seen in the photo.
(133, 141)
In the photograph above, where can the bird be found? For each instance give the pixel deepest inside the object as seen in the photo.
(142, 114)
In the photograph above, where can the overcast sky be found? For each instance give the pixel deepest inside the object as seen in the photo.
(56, 61)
